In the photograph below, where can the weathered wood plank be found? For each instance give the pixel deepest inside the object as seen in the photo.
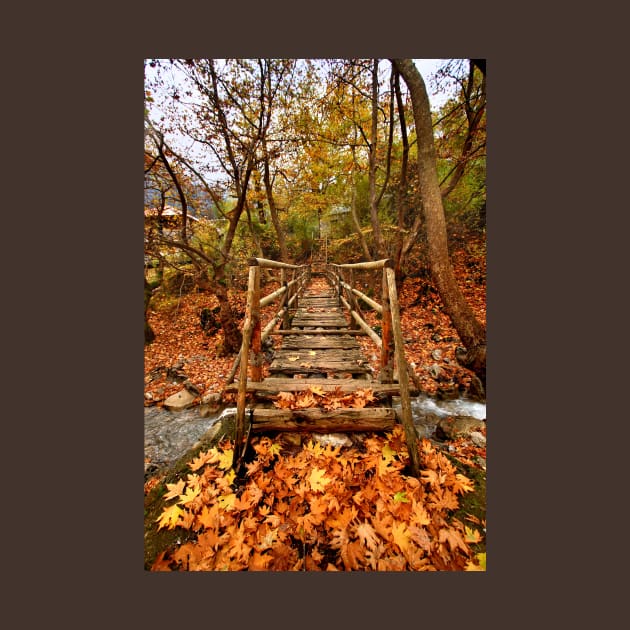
(299, 331)
(321, 356)
(322, 421)
(273, 386)
(329, 368)
(306, 342)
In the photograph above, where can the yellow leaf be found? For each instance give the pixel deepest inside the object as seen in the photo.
(229, 476)
(225, 459)
(317, 480)
(170, 516)
(472, 535)
(481, 559)
(226, 501)
(293, 358)
(387, 453)
(190, 495)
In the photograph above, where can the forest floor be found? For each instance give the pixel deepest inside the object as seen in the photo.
(305, 504)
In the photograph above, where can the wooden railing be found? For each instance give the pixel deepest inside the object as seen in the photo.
(254, 336)
(390, 342)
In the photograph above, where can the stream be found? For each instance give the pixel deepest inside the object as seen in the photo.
(168, 435)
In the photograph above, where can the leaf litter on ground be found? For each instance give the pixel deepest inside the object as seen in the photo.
(321, 508)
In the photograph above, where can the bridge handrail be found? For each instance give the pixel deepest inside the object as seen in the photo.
(373, 264)
(390, 342)
(265, 262)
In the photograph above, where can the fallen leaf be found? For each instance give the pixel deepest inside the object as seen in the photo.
(367, 535)
(170, 516)
(225, 459)
(227, 501)
(317, 480)
(175, 489)
(401, 535)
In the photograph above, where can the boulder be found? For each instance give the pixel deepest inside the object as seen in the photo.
(333, 439)
(179, 401)
(192, 388)
(211, 398)
(210, 403)
(478, 439)
(452, 427)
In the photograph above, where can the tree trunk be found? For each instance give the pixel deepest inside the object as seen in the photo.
(231, 332)
(401, 191)
(471, 332)
(376, 227)
(273, 209)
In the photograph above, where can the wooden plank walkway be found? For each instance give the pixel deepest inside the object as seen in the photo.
(320, 351)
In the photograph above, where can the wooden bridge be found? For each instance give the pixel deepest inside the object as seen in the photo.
(320, 362)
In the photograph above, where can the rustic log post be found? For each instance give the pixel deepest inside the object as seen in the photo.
(403, 378)
(287, 296)
(387, 355)
(242, 428)
(257, 355)
(349, 280)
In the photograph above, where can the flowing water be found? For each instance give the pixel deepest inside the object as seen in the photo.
(168, 435)
(442, 408)
(427, 411)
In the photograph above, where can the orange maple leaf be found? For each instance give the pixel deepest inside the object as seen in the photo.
(305, 401)
(175, 489)
(352, 555)
(160, 563)
(462, 484)
(284, 400)
(453, 538)
(401, 535)
(203, 458)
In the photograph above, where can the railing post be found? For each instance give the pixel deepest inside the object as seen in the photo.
(287, 297)
(242, 424)
(352, 298)
(387, 354)
(403, 378)
(257, 355)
